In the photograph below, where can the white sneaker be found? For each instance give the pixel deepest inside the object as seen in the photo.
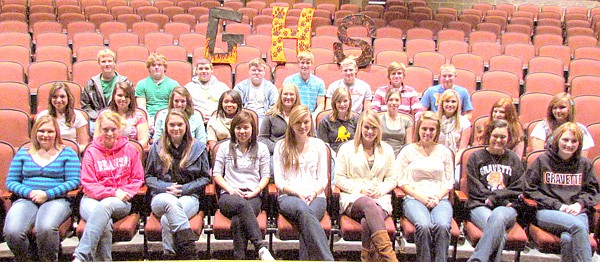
(265, 255)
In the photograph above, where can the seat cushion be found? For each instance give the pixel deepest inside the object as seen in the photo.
(123, 230)
(516, 238)
(352, 229)
(547, 242)
(63, 228)
(288, 232)
(153, 228)
(222, 225)
(408, 230)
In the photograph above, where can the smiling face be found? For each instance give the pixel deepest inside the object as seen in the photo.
(498, 140)
(176, 128)
(447, 78)
(305, 68)
(396, 78)
(343, 104)
(257, 74)
(499, 113)
(122, 99)
(561, 112)
(243, 132)
(302, 127)
(428, 130)
(107, 64)
(288, 96)
(204, 72)
(349, 71)
(229, 105)
(567, 145)
(393, 102)
(60, 100)
(179, 101)
(157, 71)
(369, 133)
(450, 105)
(46, 134)
(109, 133)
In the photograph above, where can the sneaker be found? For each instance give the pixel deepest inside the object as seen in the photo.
(265, 255)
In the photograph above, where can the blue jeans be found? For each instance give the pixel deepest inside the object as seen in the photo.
(494, 225)
(47, 217)
(174, 213)
(96, 242)
(244, 225)
(432, 228)
(313, 241)
(573, 232)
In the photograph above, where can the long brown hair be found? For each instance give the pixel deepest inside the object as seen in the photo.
(189, 104)
(69, 110)
(243, 118)
(58, 142)
(165, 142)
(129, 91)
(560, 98)
(289, 153)
(339, 94)
(511, 117)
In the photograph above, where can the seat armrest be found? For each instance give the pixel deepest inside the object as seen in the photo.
(398, 193)
(529, 202)
(272, 190)
(209, 190)
(461, 196)
(335, 191)
(143, 190)
(5, 194)
(74, 193)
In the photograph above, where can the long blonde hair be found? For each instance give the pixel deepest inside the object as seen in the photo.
(278, 107)
(371, 118)
(165, 142)
(289, 153)
(445, 96)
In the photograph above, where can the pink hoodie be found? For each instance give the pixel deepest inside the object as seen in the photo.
(105, 170)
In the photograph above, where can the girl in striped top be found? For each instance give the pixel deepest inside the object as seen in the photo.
(40, 176)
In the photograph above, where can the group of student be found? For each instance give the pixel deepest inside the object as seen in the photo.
(374, 145)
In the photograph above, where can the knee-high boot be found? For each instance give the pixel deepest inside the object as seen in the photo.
(185, 247)
(381, 240)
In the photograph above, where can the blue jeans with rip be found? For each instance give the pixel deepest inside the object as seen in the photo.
(573, 231)
(96, 242)
(494, 224)
(174, 213)
(432, 228)
(46, 218)
(313, 241)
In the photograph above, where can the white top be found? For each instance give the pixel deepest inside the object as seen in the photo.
(312, 172)
(426, 173)
(206, 96)
(65, 131)
(359, 91)
(542, 130)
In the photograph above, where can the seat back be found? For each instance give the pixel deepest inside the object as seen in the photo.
(15, 95)
(17, 132)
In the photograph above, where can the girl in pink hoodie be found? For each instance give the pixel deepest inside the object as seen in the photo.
(111, 175)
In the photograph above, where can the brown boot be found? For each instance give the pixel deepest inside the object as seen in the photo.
(185, 247)
(369, 253)
(383, 246)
